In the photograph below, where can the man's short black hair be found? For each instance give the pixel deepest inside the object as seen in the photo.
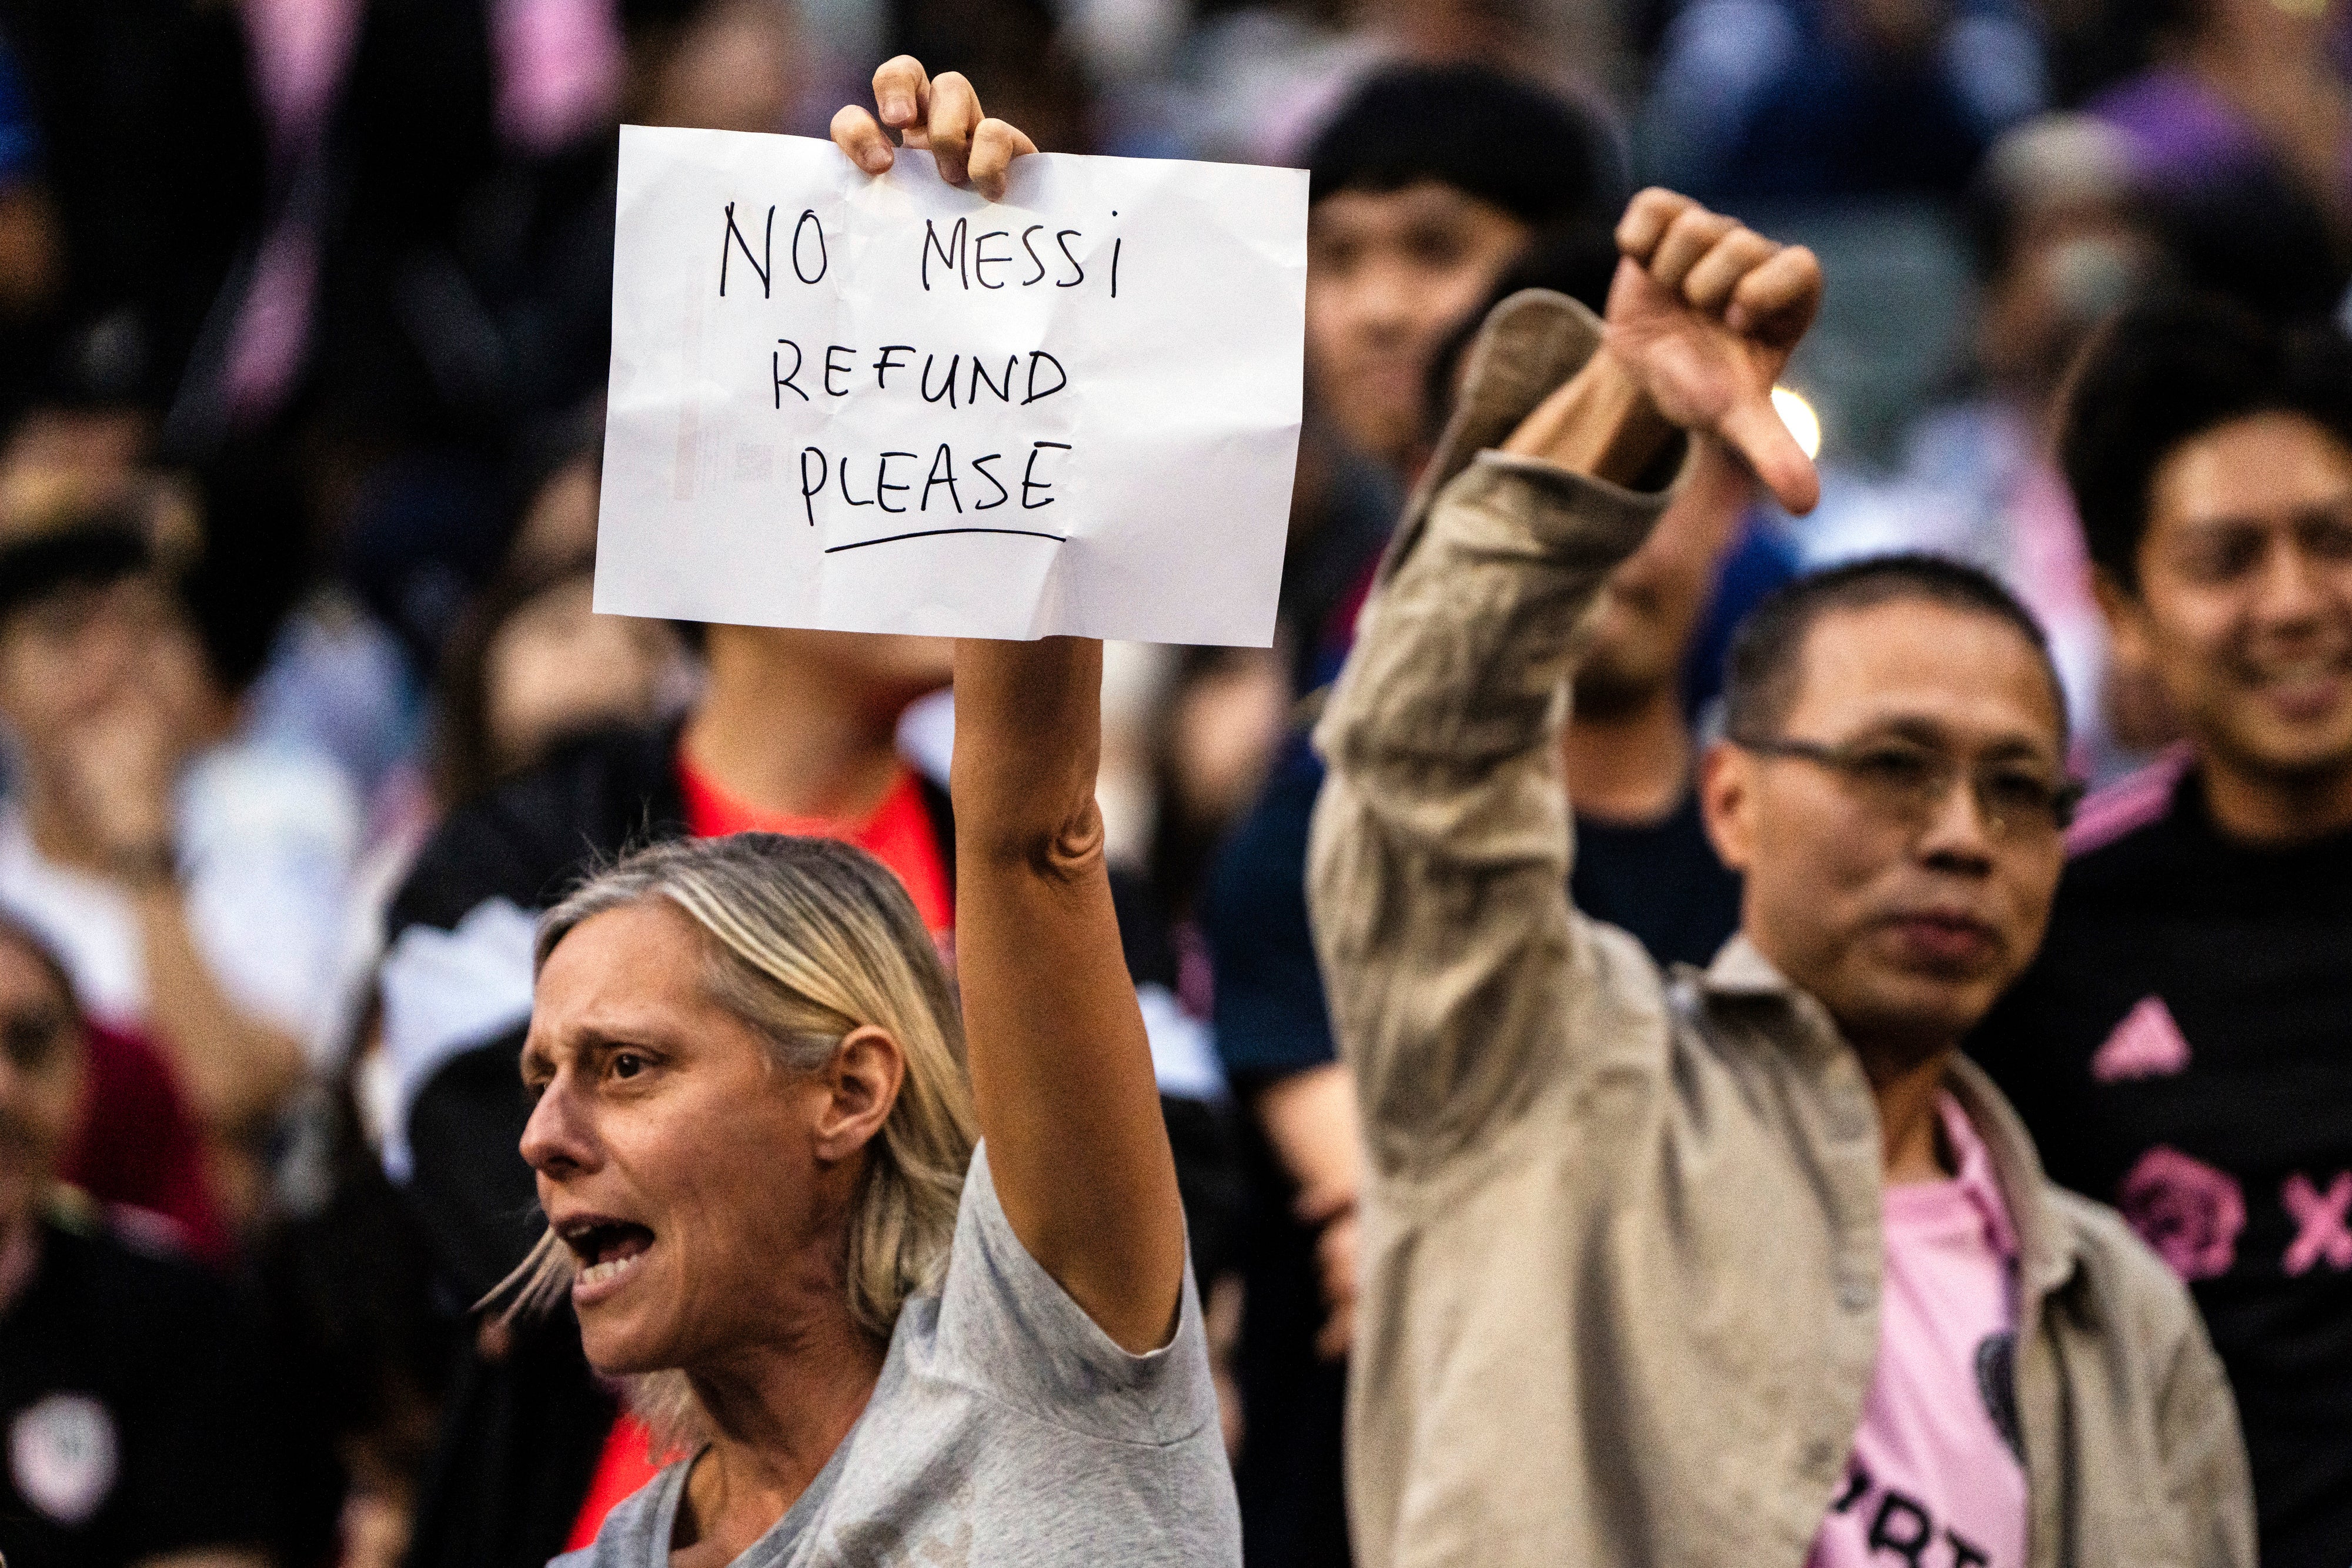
(2169, 370)
(1497, 136)
(235, 593)
(87, 553)
(1764, 667)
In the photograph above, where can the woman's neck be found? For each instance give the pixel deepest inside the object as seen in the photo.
(775, 1414)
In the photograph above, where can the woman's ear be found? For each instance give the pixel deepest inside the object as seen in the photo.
(861, 1085)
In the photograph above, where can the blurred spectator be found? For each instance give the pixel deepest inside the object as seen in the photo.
(1410, 220)
(147, 148)
(131, 1384)
(533, 666)
(2064, 238)
(2178, 1048)
(30, 273)
(1016, 55)
(364, 1333)
(1643, 860)
(1253, 82)
(192, 881)
(730, 65)
(2243, 127)
(1225, 710)
(464, 256)
(1822, 99)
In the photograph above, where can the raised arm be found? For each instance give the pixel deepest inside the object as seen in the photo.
(1061, 1069)
(1439, 862)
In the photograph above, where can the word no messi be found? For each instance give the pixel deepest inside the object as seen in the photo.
(820, 473)
(964, 258)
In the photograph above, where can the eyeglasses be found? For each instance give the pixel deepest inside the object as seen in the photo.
(29, 1038)
(1903, 781)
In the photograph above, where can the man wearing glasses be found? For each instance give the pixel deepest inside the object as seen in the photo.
(2180, 1044)
(1747, 1265)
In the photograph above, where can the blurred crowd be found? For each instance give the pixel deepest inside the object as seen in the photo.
(304, 312)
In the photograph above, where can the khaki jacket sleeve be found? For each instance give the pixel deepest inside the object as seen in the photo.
(2204, 1454)
(1438, 861)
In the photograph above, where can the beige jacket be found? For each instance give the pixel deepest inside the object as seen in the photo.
(1620, 1289)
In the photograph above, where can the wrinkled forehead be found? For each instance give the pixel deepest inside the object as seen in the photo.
(1967, 678)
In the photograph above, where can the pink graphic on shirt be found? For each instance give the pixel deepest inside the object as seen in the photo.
(2131, 803)
(2320, 1219)
(1934, 1479)
(2147, 1044)
(2189, 1212)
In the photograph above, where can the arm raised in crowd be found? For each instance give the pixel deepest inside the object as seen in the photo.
(1061, 1068)
(1439, 864)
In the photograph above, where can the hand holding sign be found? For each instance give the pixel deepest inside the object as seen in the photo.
(942, 117)
(847, 394)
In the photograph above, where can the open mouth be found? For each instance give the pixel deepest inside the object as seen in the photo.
(605, 1248)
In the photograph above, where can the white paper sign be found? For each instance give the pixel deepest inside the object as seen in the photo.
(888, 404)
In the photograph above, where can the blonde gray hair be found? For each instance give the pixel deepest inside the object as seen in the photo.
(806, 940)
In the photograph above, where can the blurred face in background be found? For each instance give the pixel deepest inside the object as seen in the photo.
(2244, 602)
(735, 65)
(1892, 29)
(40, 1081)
(2069, 266)
(1643, 627)
(85, 655)
(555, 667)
(1390, 275)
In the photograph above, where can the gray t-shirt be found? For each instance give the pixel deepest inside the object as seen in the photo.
(1006, 1428)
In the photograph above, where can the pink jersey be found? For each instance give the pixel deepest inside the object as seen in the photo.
(1934, 1480)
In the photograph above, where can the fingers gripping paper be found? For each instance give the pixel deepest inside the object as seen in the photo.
(886, 404)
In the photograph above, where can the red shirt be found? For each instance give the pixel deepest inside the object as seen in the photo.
(138, 1143)
(900, 835)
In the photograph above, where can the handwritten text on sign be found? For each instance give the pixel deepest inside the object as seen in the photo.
(888, 404)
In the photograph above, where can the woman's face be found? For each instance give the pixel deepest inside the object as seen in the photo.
(702, 1189)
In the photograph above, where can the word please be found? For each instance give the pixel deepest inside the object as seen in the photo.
(940, 481)
(838, 373)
